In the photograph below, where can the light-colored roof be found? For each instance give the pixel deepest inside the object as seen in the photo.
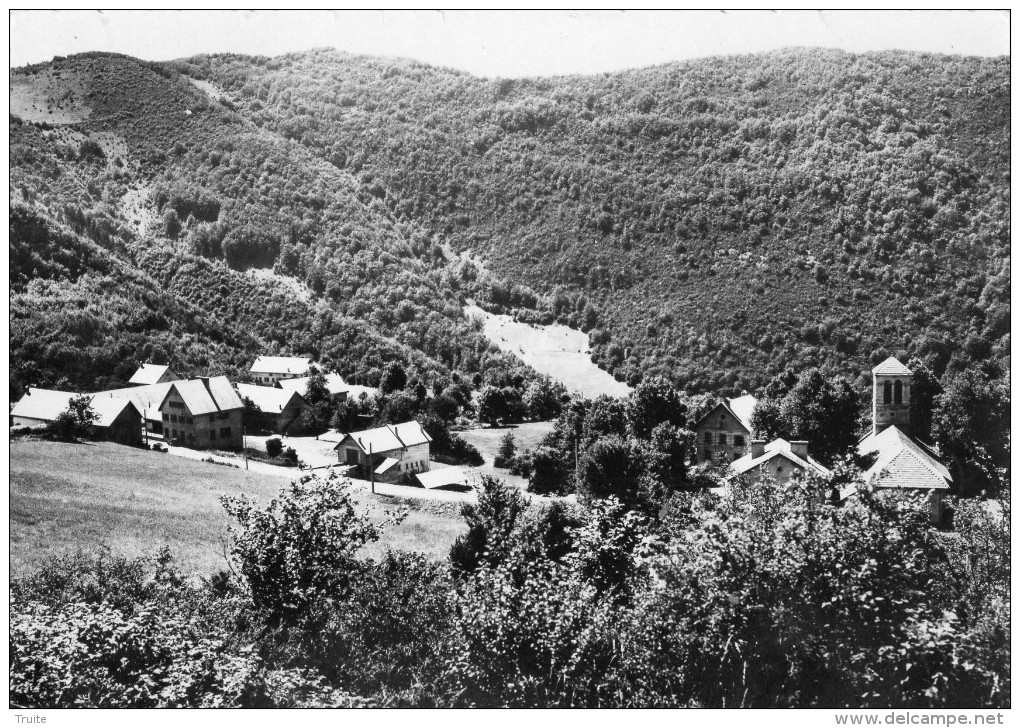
(146, 398)
(743, 407)
(335, 384)
(202, 397)
(902, 462)
(149, 373)
(892, 366)
(268, 399)
(385, 465)
(42, 404)
(441, 477)
(778, 448)
(47, 404)
(281, 364)
(108, 409)
(389, 437)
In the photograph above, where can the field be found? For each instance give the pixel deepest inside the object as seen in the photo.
(67, 496)
(559, 351)
(486, 439)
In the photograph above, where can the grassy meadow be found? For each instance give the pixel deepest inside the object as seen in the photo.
(70, 496)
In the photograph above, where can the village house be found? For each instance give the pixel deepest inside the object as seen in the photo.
(269, 370)
(280, 410)
(725, 433)
(335, 385)
(204, 413)
(903, 463)
(393, 453)
(117, 420)
(146, 398)
(780, 461)
(153, 374)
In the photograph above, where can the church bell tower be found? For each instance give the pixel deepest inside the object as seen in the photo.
(890, 401)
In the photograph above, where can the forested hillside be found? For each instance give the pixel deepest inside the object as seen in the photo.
(726, 218)
(137, 208)
(717, 222)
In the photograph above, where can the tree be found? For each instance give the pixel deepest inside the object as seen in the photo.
(251, 415)
(506, 451)
(490, 524)
(491, 405)
(548, 475)
(171, 223)
(666, 459)
(320, 402)
(654, 401)
(77, 419)
(543, 398)
(394, 378)
(300, 551)
(611, 467)
(274, 446)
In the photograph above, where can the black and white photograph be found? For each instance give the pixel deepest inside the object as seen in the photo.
(451, 359)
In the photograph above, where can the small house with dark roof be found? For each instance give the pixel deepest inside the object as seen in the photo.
(280, 410)
(390, 454)
(725, 433)
(153, 374)
(780, 460)
(202, 413)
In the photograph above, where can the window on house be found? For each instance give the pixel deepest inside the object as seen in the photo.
(898, 392)
(224, 432)
(212, 434)
(191, 421)
(708, 454)
(708, 437)
(722, 438)
(738, 441)
(887, 393)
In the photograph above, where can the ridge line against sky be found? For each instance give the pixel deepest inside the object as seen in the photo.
(510, 43)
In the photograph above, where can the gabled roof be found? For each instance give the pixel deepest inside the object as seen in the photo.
(892, 366)
(150, 373)
(742, 413)
(268, 399)
(281, 364)
(335, 384)
(47, 404)
(146, 398)
(204, 396)
(902, 462)
(779, 449)
(108, 409)
(42, 404)
(388, 437)
(441, 477)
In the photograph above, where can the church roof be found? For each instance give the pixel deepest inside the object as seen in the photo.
(892, 366)
(902, 462)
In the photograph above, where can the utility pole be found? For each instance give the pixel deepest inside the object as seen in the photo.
(371, 468)
(145, 430)
(244, 450)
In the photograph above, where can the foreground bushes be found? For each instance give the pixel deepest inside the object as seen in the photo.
(763, 597)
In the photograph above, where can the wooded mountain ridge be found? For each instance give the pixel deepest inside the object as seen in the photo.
(718, 222)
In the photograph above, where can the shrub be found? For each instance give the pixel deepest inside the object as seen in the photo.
(274, 446)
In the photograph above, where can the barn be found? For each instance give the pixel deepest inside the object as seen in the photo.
(390, 454)
(280, 409)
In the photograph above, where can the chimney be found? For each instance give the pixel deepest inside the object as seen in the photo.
(757, 448)
(799, 448)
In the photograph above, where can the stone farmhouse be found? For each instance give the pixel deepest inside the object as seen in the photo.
(154, 374)
(269, 370)
(391, 453)
(117, 420)
(725, 433)
(779, 460)
(280, 409)
(204, 413)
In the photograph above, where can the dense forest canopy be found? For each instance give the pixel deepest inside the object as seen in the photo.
(717, 222)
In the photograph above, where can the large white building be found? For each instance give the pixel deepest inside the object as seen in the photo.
(268, 370)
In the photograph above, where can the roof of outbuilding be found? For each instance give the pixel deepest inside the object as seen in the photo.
(892, 366)
(108, 409)
(778, 448)
(149, 373)
(281, 364)
(902, 462)
(268, 399)
(442, 477)
(335, 384)
(389, 437)
(146, 398)
(386, 465)
(42, 404)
